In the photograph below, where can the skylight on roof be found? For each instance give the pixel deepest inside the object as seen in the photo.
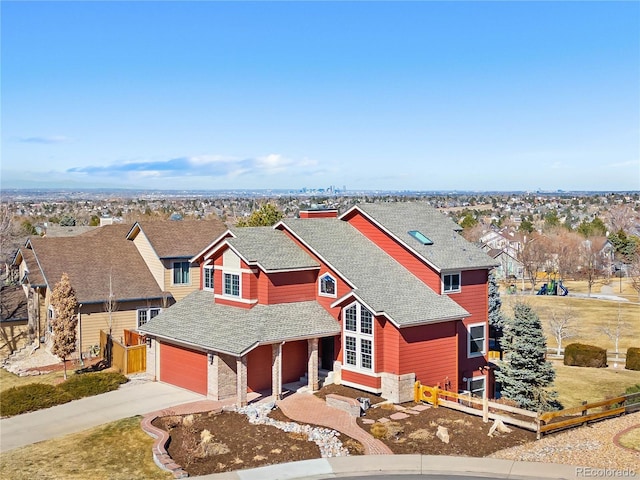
(422, 238)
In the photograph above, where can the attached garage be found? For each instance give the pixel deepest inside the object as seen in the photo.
(183, 367)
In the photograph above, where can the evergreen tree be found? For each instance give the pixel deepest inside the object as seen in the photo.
(496, 318)
(265, 216)
(525, 375)
(64, 302)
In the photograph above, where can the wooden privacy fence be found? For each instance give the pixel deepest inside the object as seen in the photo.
(536, 422)
(127, 359)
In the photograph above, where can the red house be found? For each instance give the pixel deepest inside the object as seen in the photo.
(380, 297)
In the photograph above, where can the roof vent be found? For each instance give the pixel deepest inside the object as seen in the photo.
(422, 238)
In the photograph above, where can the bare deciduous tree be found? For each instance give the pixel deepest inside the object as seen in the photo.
(614, 330)
(590, 260)
(110, 306)
(534, 257)
(562, 325)
(620, 217)
(634, 273)
(65, 303)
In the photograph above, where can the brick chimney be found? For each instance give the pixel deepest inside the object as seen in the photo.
(319, 212)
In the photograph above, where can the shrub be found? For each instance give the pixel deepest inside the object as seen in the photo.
(633, 359)
(90, 384)
(36, 396)
(580, 355)
(31, 397)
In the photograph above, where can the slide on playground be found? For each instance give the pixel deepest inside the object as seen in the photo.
(554, 289)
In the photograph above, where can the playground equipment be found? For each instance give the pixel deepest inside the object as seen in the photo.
(553, 288)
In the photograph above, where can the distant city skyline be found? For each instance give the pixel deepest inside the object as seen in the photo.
(428, 96)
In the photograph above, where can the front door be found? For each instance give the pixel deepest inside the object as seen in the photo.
(327, 346)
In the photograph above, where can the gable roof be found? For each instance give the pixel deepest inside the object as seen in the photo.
(33, 272)
(89, 259)
(449, 250)
(178, 239)
(379, 281)
(197, 320)
(272, 250)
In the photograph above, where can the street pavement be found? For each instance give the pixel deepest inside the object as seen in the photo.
(90, 412)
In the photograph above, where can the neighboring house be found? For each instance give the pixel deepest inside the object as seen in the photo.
(508, 266)
(108, 261)
(382, 296)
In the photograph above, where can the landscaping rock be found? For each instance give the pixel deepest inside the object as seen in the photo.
(443, 434)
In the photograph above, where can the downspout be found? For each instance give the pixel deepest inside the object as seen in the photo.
(80, 334)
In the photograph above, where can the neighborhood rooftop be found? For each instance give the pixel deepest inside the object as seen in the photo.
(178, 238)
(197, 320)
(90, 260)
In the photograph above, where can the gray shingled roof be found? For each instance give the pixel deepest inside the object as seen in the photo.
(89, 259)
(197, 320)
(181, 238)
(380, 281)
(271, 249)
(450, 251)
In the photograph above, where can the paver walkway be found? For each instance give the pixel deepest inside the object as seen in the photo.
(307, 408)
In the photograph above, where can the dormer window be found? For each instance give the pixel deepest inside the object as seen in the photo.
(421, 237)
(327, 286)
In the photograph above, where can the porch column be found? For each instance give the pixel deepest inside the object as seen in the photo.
(241, 380)
(312, 367)
(276, 370)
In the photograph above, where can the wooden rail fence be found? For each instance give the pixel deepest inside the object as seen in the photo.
(536, 422)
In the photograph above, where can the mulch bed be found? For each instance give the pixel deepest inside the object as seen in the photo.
(234, 444)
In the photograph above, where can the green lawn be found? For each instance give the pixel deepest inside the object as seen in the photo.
(115, 451)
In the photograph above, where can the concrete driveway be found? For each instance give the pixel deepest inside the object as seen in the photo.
(89, 412)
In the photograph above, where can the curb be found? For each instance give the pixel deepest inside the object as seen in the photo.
(342, 467)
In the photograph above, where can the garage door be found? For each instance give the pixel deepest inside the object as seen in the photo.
(183, 367)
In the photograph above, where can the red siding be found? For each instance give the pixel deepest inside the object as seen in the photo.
(233, 303)
(388, 347)
(249, 286)
(474, 298)
(360, 379)
(294, 361)
(287, 287)
(183, 367)
(430, 351)
(400, 253)
(259, 369)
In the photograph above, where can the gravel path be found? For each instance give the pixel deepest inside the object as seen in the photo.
(588, 446)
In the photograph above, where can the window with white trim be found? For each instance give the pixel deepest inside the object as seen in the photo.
(181, 273)
(327, 286)
(146, 314)
(476, 340)
(207, 280)
(476, 386)
(451, 282)
(231, 284)
(358, 337)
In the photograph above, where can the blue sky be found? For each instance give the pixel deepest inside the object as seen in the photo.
(371, 95)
